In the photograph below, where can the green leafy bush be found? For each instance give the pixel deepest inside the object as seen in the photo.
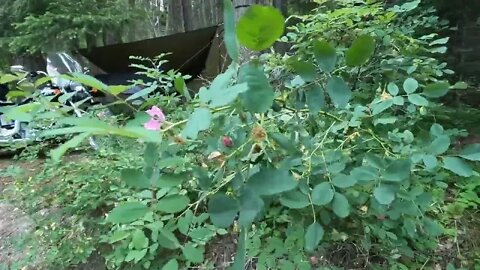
(330, 148)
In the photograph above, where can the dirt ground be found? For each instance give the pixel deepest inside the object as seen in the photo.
(13, 222)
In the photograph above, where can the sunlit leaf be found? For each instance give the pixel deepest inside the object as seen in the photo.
(259, 27)
(471, 152)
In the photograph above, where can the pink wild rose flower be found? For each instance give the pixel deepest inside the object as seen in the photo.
(156, 118)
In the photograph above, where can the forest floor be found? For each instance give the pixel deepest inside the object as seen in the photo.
(15, 225)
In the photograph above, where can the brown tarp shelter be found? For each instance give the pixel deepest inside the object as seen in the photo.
(195, 53)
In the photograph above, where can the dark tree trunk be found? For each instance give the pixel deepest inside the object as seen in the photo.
(282, 5)
(175, 23)
(188, 20)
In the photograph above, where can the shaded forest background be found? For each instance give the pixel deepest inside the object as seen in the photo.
(31, 27)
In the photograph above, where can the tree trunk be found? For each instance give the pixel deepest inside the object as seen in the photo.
(188, 20)
(282, 5)
(175, 23)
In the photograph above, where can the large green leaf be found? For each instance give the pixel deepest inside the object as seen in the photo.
(364, 173)
(135, 178)
(313, 236)
(172, 203)
(384, 194)
(222, 209)
(381, 106)
(305, 69)
(128, 212)
(171, 265)
(343, 181)
(221, 82)
(192, 254)
(7, 78)
(58, 153)
(339, 92)
(436, 90)
(167, 239)
(471, 152)
(168, 180)
(410, 85)
(86, 80)
(259, 27)
(440, 145)
(430, 162)
(226, 96)
(392, 88)
(322, 194)
(457, 166)
(360, 51)
(325, 54)
(284, 142)
(294, 199)
(260, 95)
(270, 181)
(199, 120)
(139, 240)
(315, 98)
(144, 92)
(230, 35)
(397, 170)
(340, 205)
(250, 206)
(418, 100)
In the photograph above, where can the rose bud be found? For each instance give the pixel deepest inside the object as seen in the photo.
(227, 141)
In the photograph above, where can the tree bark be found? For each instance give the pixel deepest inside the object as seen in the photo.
(175, 23)
(188, 19)
(282, 5)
